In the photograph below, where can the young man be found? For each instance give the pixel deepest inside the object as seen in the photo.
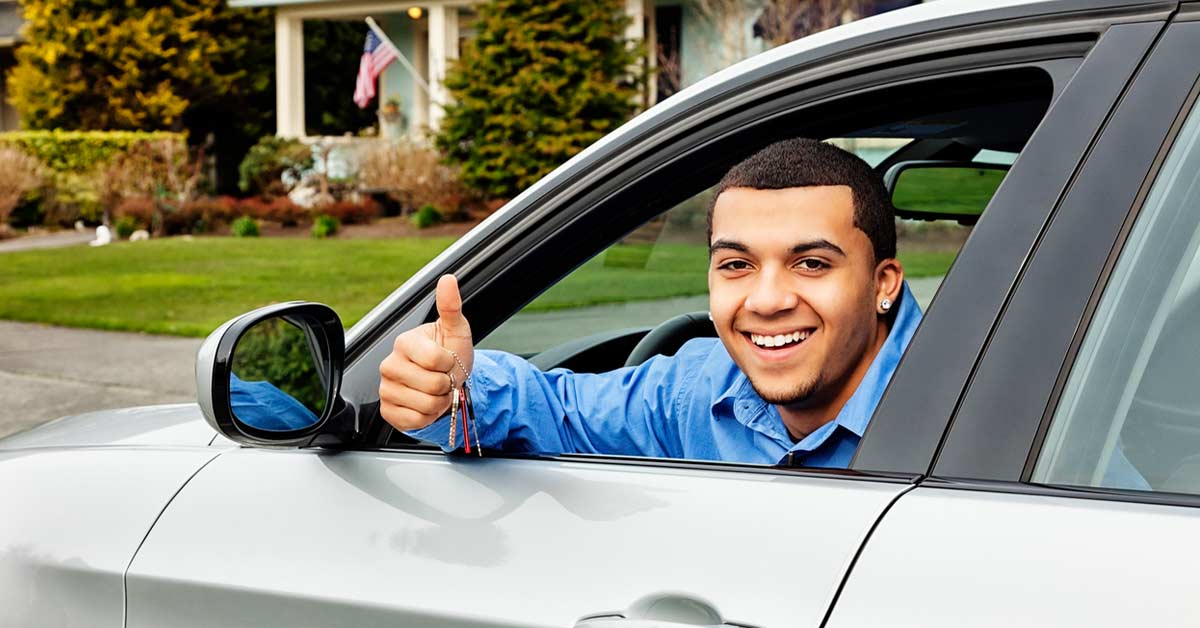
(810, 307)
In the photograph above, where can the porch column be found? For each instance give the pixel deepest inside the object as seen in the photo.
(289, 75)
(641, 29)
(443, 48)
(636, 9)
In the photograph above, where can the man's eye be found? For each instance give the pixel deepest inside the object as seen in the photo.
(812, 264)
(735, 264)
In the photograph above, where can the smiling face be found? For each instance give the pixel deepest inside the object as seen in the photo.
(794, 292)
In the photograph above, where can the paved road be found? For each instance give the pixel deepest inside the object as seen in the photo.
(47, 372)
(54, 240)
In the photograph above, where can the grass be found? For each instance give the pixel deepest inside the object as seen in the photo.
(189, 287)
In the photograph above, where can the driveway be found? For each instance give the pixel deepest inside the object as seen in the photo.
(55, 240)
(48, 372)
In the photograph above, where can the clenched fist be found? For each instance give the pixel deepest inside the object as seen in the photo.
(414, 387)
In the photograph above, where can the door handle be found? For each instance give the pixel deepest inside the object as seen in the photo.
(661, 610)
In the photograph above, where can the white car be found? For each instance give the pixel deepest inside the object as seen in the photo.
(1066, 332)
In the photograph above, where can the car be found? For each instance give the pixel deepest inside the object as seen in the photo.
(1064, 334)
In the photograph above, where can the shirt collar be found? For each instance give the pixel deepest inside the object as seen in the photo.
(750, 409)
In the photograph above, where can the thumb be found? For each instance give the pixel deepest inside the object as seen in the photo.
(449, 306)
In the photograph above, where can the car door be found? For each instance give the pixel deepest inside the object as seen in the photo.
(1066, 492)
(387, 533)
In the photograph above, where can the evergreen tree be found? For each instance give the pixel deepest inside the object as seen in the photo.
(541, 80)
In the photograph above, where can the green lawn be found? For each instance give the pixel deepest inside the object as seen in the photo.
(189, 287)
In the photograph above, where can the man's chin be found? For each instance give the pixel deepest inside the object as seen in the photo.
(780, 394)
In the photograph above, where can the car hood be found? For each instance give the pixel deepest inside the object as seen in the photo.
(164, 425)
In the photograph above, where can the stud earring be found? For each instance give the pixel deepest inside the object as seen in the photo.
(885, 304)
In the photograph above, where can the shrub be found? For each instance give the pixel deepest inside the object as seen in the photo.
(280, 209)
(137, 210)
(88, 171)
(82, 151)
(537, 83)
(125, 226)
(413, 175)
(212, 210)
(20, 176)
(283, 211)
(352, 212)
(274, 165)
(427, 216)
(324, 226)
(160, 169)
(245, 227)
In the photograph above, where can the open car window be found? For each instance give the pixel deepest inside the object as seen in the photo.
(589, 311)
(656, 272)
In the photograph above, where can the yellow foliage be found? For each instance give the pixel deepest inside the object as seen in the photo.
(124, 65)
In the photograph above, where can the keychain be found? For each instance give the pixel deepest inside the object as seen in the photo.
(469, 408)
(454, 403)
(460, 405)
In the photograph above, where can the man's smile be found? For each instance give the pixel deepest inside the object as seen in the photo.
(773, 340)
(779, 346)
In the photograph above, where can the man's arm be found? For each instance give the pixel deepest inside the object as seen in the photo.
(518, 408)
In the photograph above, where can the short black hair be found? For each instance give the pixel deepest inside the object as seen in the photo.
(804, 162)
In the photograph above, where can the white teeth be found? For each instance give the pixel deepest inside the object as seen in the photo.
(778, 340)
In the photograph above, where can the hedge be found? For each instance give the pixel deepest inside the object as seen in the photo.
(80, 151)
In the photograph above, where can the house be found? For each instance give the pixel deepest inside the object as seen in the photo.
(10, 28)
(689, 39)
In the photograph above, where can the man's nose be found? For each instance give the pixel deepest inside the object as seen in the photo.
(771, 295)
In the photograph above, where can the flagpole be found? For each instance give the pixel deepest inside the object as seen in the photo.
(399, 56)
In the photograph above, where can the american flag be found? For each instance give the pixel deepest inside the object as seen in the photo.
(376, 56)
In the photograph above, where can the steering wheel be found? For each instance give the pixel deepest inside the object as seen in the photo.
(668, 336)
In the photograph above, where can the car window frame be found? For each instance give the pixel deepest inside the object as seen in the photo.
(1164, 99)
(957, 62)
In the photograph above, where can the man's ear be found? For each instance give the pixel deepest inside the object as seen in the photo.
(889, 277)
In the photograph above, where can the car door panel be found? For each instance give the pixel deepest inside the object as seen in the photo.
(996, 549)
(72, 520)
(1004, 559)
(413, 538)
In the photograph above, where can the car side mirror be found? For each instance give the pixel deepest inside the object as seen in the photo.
(943, 190)
(272, 376)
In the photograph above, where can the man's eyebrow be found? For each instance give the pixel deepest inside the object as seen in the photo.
(731, 245)
(818, 245)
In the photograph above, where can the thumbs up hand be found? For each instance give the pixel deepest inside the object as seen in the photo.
(415, 379)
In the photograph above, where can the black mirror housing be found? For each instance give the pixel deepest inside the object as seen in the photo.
(323, 337)
(971, 197)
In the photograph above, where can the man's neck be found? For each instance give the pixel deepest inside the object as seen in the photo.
(804, 419)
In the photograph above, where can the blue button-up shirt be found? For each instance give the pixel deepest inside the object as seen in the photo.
(695, 405)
